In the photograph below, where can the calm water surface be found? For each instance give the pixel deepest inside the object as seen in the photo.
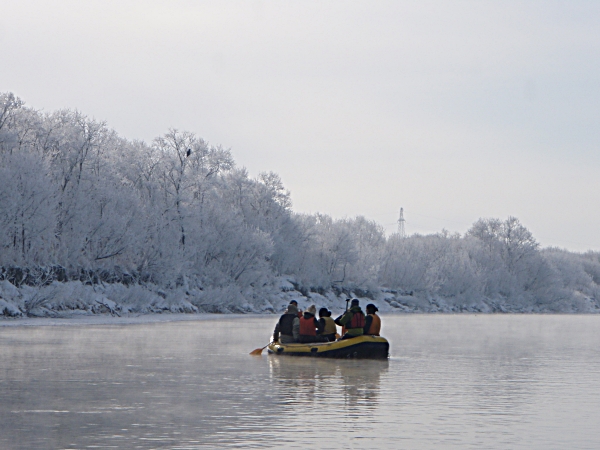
(453, 381)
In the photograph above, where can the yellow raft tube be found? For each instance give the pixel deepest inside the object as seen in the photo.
(366, 347)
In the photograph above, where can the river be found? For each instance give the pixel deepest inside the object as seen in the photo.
(452, 382)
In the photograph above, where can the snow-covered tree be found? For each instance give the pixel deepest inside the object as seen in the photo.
(77, 201)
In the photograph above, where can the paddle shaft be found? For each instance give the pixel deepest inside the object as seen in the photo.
(343, 327)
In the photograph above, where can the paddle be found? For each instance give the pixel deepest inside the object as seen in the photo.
(258, 351)
(343, 327)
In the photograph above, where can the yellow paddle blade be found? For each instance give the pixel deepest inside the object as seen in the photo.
(256, 352)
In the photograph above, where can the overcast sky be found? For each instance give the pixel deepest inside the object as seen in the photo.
(454, 110)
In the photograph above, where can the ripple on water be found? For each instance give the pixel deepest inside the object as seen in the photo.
(452, 382)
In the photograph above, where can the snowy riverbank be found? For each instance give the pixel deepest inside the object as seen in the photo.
(91, 223)
(75, 299)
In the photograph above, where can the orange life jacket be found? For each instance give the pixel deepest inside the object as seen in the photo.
(375, 327)
(308, 326)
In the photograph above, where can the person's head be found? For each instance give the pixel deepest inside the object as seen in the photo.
(323, 312)
(292, 309)
(354, 303)
(294, 302)
(371, 308)
(312, 309)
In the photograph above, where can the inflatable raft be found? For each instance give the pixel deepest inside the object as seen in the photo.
(371, 347)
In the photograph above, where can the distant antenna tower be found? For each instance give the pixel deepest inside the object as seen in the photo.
(401, 221)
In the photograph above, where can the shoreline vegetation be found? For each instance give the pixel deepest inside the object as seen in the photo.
(92, 223)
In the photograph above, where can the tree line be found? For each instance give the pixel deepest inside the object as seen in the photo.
(79, 202)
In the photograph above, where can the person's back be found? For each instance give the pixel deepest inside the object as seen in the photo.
(288, 327)
(309, 325)
(327, 327)
(353, 320)
(373, 321)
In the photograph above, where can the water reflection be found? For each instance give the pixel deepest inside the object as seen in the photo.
(354, 383)
(460, 382)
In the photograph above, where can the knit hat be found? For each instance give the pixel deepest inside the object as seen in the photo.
(312, 309)
(292, 309)
(354, 302)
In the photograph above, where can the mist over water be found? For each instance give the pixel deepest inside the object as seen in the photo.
(453, 381)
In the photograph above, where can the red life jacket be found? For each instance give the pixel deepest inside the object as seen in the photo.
(308, 327)
(358, 320)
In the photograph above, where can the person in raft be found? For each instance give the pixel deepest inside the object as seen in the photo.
(287, 330)
(353, 320)
(327, 327)
(372, 321)
(309, 326)
(295, 303)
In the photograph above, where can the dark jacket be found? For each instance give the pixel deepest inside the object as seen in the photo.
(288, 327)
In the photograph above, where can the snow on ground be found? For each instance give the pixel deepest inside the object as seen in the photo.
(76, 303)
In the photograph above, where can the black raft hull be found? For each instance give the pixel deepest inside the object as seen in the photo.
(361, 347)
